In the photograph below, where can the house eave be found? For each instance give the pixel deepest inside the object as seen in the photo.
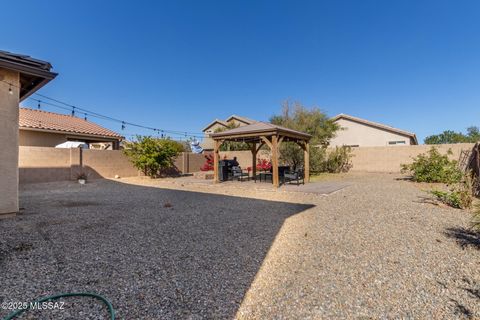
(31, 78)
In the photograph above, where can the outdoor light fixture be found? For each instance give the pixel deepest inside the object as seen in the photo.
(10, 89)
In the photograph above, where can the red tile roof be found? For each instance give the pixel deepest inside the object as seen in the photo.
(39, 119)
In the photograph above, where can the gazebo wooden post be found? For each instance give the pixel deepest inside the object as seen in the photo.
(267, 134)
(216, 157)
(254, 161)
(275, 177)
(306, 153)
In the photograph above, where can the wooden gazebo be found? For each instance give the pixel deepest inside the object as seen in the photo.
(257, 135)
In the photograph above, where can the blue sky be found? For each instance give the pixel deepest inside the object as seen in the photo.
(178, 65)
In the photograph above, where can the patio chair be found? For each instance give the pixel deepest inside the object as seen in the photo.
(295, 176)
(240, 174)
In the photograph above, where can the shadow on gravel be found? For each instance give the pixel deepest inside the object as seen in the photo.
(461, 311)
(464, 237)
(471, 287)
(155, 253)
(428, 200)
(406, 178)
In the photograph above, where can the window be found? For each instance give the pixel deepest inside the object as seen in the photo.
(396, 142)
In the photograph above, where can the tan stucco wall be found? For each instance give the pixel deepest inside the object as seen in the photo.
(9, 142)
(34, 138)
(40, 139)
(389, 159)
(213, 128)
(207, 142)
(237, 122)
(355, 133)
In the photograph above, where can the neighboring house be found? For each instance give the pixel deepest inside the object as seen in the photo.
(213, 126)
(357, 132)
(48, 129)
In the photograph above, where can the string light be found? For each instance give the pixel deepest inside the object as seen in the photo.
(85, 116)
(38, 105)
(72, 109)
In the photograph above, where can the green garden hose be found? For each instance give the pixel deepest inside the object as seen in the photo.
(61, 295)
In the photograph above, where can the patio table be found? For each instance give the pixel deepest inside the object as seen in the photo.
(265, 175)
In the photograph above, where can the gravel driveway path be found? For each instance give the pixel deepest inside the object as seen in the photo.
(374, 250)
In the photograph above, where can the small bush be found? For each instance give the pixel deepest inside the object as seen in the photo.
(338, 160)
(451, 198)
(208, 165)
(460, 195)
(334, 161)
(152, 155)
(434, 167)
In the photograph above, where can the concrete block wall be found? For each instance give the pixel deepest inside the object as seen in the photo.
(194, 162)
(107, 164)
(38, 164)
(389, 159)
(43, 164)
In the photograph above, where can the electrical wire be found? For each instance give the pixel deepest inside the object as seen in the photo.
(85, 112)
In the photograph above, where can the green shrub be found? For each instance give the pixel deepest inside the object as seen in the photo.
(338, 160)
(153, 155)
(331, 161)
(451, 198)
(433, 167)
(460, 195)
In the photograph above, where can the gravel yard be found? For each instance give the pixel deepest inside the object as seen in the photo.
(161, 249)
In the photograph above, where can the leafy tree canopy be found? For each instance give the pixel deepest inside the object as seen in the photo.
(313, 121)
(449, 136)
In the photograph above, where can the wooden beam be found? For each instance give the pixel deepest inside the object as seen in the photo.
(267, 142)
(254, 161)
(280, 140)
(261, 144)
(301, 144)
(306, 169)
(216, 158)
(276, 182)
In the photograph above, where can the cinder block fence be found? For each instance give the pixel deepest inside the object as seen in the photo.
(39, 164)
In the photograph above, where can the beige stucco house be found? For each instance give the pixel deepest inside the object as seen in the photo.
(357, 132)
(213, 126)
(48, 129)
(20, 76)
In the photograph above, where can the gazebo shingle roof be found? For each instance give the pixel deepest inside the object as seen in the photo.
(261, 128)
